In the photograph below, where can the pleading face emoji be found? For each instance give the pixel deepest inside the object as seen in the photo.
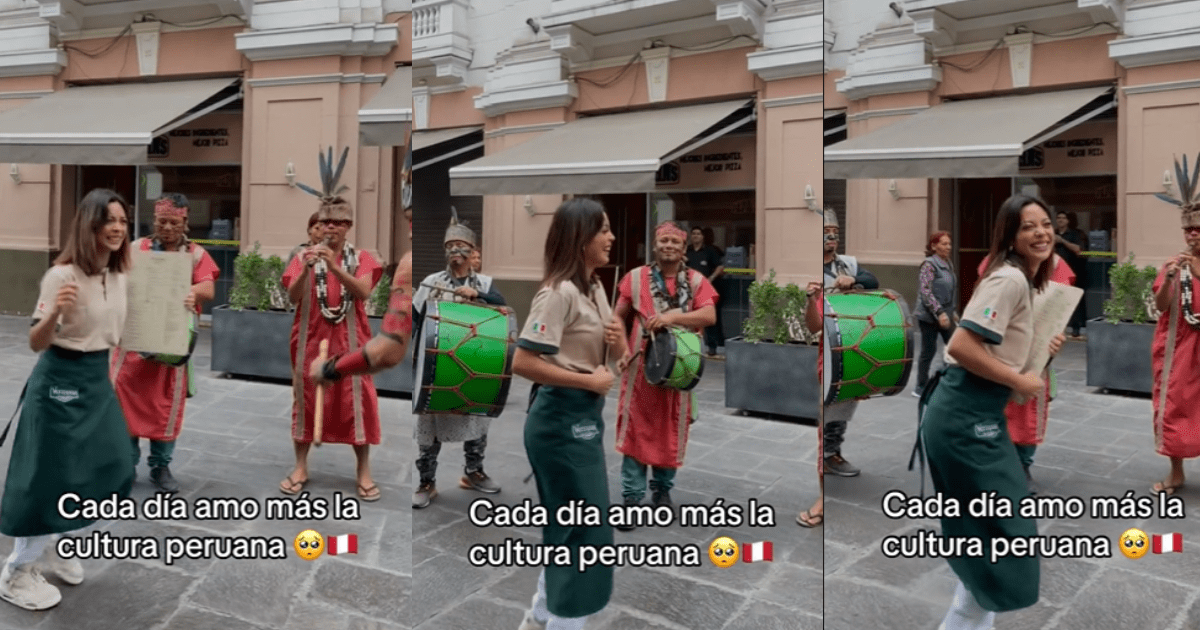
(309, 544)
(1133, 543)
(723, 552)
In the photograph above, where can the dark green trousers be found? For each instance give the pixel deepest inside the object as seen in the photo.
(564, 440)
(970, 453)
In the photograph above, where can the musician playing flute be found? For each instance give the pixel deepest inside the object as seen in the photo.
(387, 349)
(1175, 352)
(457, 283)
(154, 394)
(330, 284)
(652, 421)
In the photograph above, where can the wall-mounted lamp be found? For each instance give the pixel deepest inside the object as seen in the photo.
(1166, 182)
(895, 192)
(289, 173)
(810, 198)
(14, 172)
(529, 205)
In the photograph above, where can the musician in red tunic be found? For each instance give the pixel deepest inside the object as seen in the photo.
(1175, 351)
(653, 422)
(330, 284)
(153, 394)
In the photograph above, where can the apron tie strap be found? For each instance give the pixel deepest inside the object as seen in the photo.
(20, 401)
(918, 449)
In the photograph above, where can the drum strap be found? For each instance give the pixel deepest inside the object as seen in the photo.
(918, 450)
(20, 401)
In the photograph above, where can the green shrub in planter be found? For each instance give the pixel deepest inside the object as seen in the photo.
(1132, 297)
(776, 313)
(377, 305)
(257, 282)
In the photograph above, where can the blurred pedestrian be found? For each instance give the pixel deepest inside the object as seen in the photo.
(937, 290)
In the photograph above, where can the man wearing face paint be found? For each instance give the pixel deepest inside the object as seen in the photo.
(153, 394)
(458, 283)
(653, 422)
(842, 273)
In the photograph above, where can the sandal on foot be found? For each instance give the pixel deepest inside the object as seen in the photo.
(1162, 487)
(810, 520)
(290, 486)
(369, 494)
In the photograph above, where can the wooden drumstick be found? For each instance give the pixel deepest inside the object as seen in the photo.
(612, 306)
(319, 413)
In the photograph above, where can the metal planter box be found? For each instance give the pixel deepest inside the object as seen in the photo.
(1118, 356)
(772, 378)
(255, 343)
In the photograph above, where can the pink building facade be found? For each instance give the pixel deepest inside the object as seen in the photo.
(227, 104)
(705, 112)
(1082, 103)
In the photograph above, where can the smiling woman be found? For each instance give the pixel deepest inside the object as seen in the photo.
(964, 429)
(71, 437)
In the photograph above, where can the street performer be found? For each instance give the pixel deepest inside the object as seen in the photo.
(330, 284)
(458, 283)
(387, 349)
(1176, 348)
(153, 394)
(653, 422)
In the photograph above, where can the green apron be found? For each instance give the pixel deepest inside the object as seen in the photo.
(71, 437)
(564, 440)
(966, 440)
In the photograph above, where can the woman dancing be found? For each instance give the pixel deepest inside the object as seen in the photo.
(964, 428)
(562, 349)
(71, 436)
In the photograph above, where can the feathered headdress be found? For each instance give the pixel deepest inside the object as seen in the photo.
(458, 231)
(1189, 201)
(331, 190)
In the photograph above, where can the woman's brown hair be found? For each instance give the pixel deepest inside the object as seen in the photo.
(90, 219)
(576, 222)
(1004, 237)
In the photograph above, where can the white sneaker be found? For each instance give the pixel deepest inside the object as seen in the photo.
(69, 571)
(24, 586)
(529, 623)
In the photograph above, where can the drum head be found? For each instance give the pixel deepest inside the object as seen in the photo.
(868, 345)
(660, 357)
(423, 369)
(463, 359)
(831, 362)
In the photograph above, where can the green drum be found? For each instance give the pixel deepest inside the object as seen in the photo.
(868, 345)
(464, 359)
(673, 359)
(176, 360)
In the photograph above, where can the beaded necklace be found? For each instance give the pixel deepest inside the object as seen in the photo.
(336, 314)
(1185, 298)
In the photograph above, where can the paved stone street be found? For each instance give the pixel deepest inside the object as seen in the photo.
(729, 456)
(1097, 444)
(236, 444)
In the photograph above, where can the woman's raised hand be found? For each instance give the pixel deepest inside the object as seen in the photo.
(64, 301)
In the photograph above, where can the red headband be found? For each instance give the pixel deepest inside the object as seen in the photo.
(670, 228)
(167, 208)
